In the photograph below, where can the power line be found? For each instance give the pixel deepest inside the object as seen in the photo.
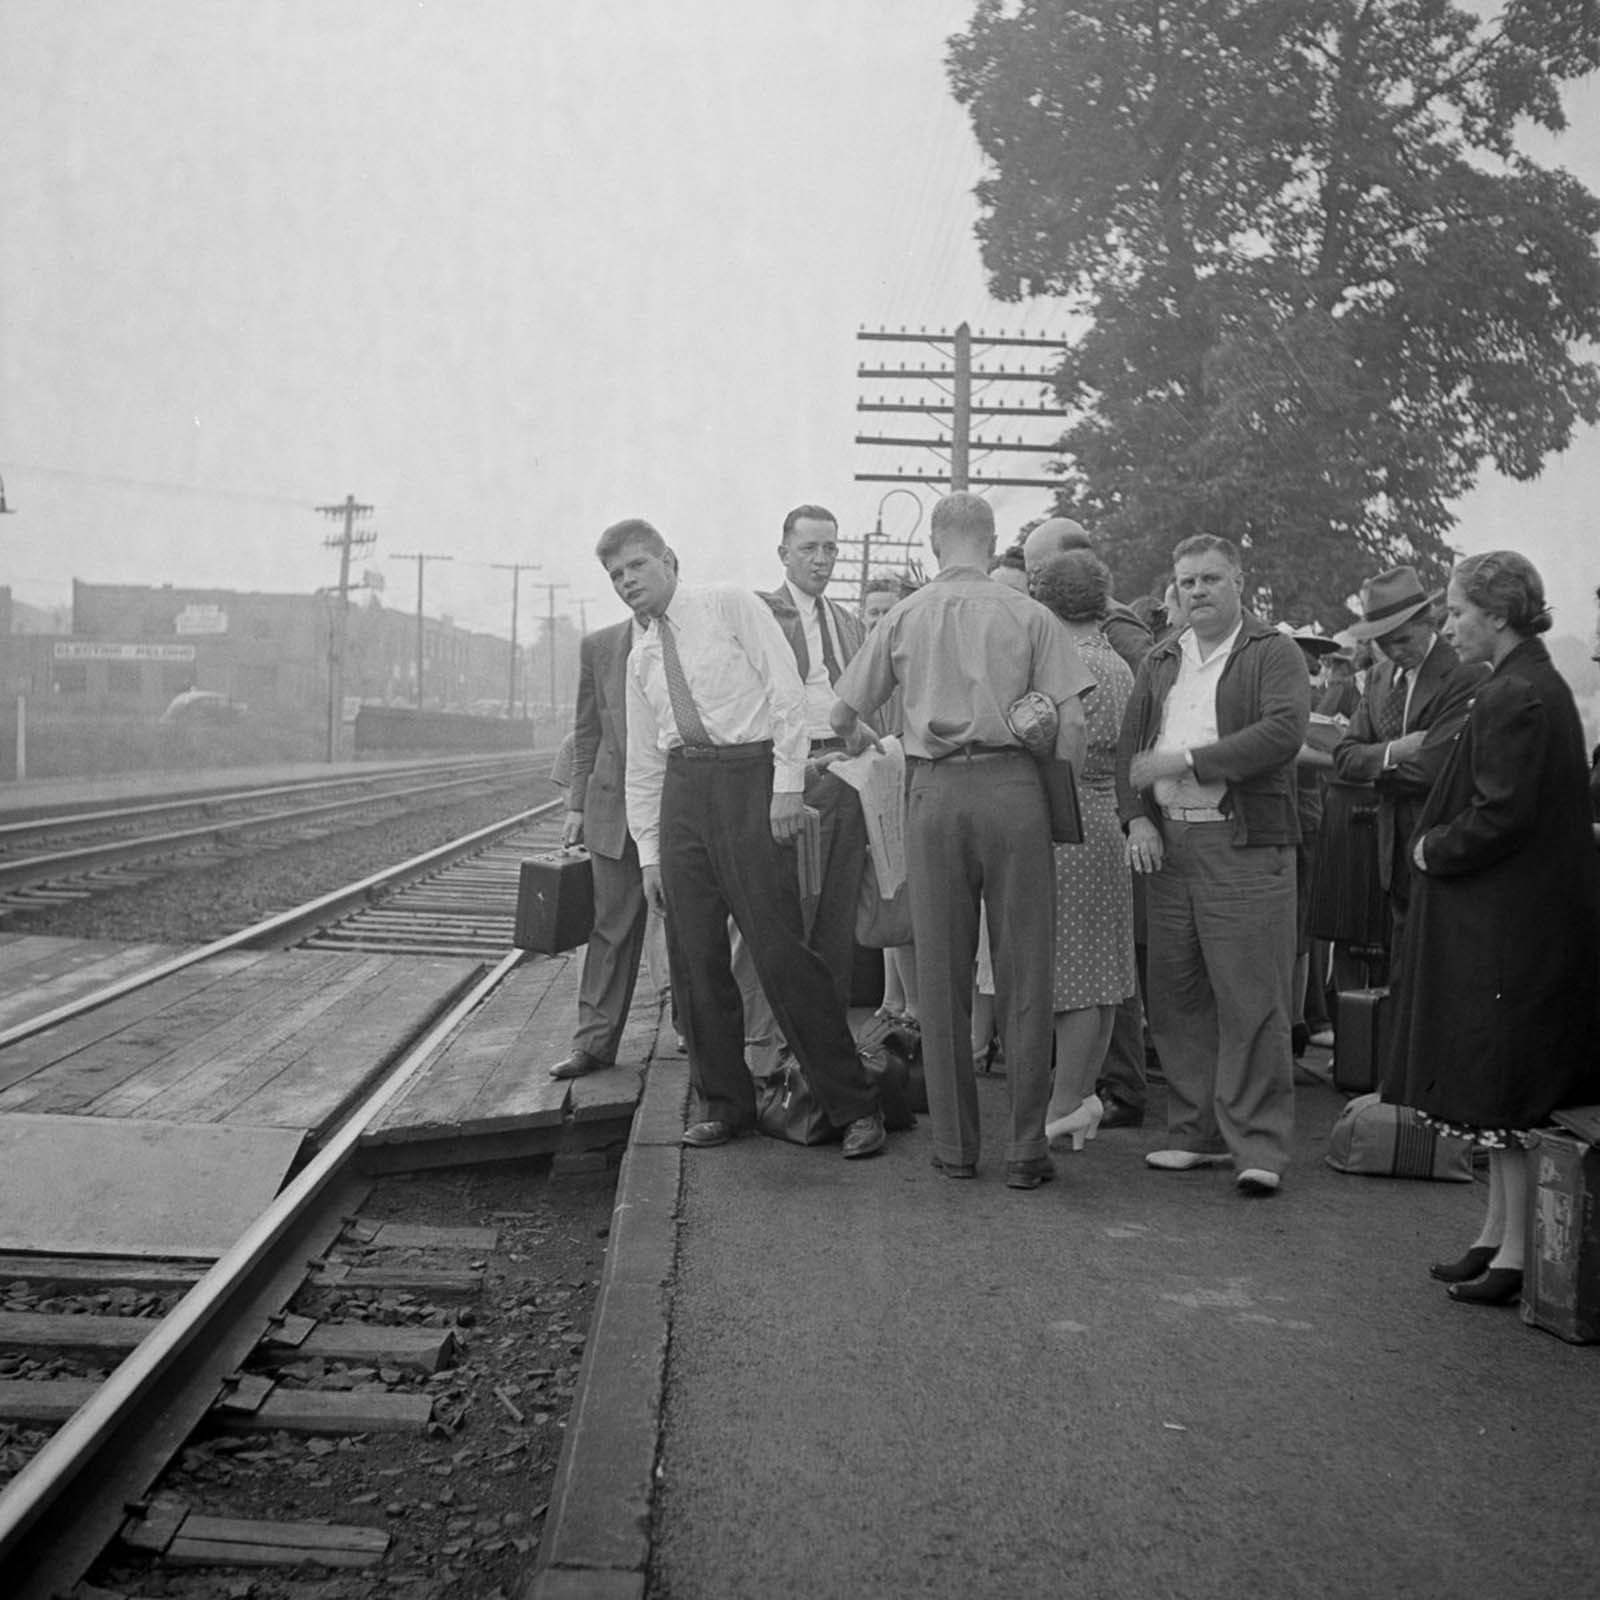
(344, 542)
(421, 558)
(516, 569)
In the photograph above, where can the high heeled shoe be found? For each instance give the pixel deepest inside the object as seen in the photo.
(1472, 1265)
(1080, 1125)
(1499, 1286)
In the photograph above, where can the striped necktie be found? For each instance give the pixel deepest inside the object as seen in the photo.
(1392, 709)
(691, 730)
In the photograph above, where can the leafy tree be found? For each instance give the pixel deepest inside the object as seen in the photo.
(1322, 283)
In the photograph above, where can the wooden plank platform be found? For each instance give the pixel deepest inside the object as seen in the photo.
(489, 1095)
(270, 1040)
(39, 973)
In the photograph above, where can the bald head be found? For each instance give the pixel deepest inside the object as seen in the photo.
(1051, 538)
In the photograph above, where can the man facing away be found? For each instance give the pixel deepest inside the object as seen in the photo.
(1399, 739)
(716, 759)
(597, 818)
(963, 649)
(1121, 1084)
(1207, 794)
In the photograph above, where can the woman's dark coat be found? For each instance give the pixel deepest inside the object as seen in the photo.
(1494, 987)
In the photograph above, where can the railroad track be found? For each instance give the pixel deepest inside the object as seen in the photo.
(70, 856)
(190, 1345)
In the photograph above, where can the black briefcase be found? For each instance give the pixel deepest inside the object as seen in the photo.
(555, 902)
(1360, 1017)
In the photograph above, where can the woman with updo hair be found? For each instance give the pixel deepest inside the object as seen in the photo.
(1494, 982)
(1094, 958)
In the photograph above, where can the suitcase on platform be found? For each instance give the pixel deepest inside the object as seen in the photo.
(555, 902)
(1561, 1282)
(1360, 1016)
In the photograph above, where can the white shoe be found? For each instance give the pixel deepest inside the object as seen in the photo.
(1323, 1038)
(1079, 1125)
(1183, 1160)
(1257, 1182)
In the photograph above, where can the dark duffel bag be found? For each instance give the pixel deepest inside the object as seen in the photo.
(891, 1050)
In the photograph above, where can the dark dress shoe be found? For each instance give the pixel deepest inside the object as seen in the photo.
(1472, 1265)
(865, 1136)
(579, 1063)
(1119, 1114)
(1299, 1038)
(955, 1169)
(703, 1135)
(1499, 1286)
(1030, 1174)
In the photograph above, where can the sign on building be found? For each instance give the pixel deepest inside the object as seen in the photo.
(201, 619)
(88, 650)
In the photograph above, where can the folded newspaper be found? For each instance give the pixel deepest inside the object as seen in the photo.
(879, 777)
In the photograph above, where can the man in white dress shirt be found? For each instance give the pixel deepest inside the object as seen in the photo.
(716, 764)
(1206, 781)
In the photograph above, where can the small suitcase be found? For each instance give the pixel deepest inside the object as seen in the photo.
(1561, 1281)
(1361, 1015)
(555, 902)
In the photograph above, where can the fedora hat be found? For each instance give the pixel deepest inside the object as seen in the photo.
(1388, 601)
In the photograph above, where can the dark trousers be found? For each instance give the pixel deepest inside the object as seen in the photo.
(719, 859)
(978, 832)
(843, 833)
(611, 961)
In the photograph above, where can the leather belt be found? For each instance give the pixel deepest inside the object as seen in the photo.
(1193, 814)
(720, 752)
(818, 745)
(972, 752)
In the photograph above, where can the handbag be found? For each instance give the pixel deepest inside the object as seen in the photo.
(882, 924)
(1061, 793)
(787, 1109)
(1381, 1140)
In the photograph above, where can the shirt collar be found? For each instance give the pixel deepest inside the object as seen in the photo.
(805, 604)
(1190, 645)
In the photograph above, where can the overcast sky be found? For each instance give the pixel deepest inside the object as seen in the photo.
(507, 270)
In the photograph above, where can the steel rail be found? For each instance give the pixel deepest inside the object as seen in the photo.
(34, 1518)
(283, 926)
(45, 822)
(28, 870)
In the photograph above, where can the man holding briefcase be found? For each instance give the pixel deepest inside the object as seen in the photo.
(597, 818)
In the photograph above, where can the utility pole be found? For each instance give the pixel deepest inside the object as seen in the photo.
(344, 542)
(582, 602)
(962, 388)
(550, 634)
(877, 537)
(516, 569)
(421, 558)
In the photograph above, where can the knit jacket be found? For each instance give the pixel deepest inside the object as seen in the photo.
(1263, 710)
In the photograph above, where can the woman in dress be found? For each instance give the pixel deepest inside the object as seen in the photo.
(1494, 990)
(1094, 958)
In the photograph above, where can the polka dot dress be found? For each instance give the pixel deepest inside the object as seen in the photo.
(1094, 963)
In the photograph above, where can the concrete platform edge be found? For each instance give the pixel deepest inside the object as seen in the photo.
(596, 1543)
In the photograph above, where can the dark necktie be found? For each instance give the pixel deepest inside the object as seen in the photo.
(1392, 712)
(829, 660)
(684, 711)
